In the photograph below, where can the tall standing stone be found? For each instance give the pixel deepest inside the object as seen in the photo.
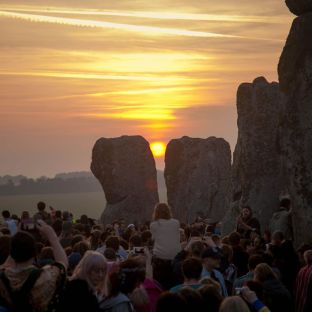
(197, 175)
(295, 75)
(257, 178)
(125, 167)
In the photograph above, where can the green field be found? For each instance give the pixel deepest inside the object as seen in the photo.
(91, 204)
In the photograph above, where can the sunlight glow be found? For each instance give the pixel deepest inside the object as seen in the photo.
(158, 149)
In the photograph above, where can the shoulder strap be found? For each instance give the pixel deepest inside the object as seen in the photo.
(20, 297)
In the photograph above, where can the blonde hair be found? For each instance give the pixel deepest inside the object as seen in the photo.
(91, 260)
(162, 211)
(234, 304)
(263, 272)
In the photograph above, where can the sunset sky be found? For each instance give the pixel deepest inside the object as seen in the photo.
(73, 71)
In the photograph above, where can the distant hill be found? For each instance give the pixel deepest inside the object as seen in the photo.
(62, 183)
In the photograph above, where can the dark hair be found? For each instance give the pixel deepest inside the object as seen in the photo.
(5, 242)
(170, 302)
(192, 268)
(278, 235)
(135, 240)
(193, 299)
(285, 202)
(112, 242)
(254, 260)
(109, 254)
(23, 247)
(131, 273)
(211, 298)
(6, 214)
(197, 248)
(234, 238)
(41, 206)
(162, 211)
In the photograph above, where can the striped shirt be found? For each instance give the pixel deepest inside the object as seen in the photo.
(304, 278)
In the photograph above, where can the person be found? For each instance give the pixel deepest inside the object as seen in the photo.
(166, 234)
(42, 214)
(211, 258)
(303, 283)
(191, 269)
(276, 295)
(246, 223)
(211, 297)
(87, 285)
(240, 256)
(285, 259)
(253, 301)
(9, 222)
(253, 261)
(122, 283)
(36, 288)
(171, 302)
(282, 219)
(234, 304)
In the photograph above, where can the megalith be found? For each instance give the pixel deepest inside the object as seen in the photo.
(295, 76)
(197, 174)
(125, 167)
(257, 170)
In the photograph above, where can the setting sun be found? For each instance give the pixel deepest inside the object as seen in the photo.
(158, 149)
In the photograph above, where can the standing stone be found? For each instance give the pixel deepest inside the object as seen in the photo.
(197, 175)
(257, 178)
(295, 75)
(125, 167)
(299, 7)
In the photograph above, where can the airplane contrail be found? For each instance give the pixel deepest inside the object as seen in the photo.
(111, 25)
(152, 15)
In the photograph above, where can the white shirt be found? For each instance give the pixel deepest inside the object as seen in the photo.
(166, 235)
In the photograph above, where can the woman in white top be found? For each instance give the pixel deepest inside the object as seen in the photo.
(166, 235)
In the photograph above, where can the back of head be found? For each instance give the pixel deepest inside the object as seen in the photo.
(285, 202)
(23, 247)
(6, 214)
(234, 304)
(112, 242)
(41, 206)
(254, 260)
(5, 242)
(234, 239)
(263, 272)
(162, 211)
(197, 248)
(193, 299)
(192, 268)
(170, 302)
(211, 298)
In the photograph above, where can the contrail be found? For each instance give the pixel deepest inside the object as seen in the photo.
(103, 24)
(153, 15)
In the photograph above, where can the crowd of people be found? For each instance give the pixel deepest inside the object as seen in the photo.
(51, 262)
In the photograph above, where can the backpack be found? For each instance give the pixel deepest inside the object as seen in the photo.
(18, 300)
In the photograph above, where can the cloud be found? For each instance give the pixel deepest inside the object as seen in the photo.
(118, 26)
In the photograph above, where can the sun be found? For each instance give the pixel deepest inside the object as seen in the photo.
(158, 149)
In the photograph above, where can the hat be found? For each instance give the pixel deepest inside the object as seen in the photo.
(211, 253)
(130, 226)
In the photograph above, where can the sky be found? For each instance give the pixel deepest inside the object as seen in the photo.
(73, 71)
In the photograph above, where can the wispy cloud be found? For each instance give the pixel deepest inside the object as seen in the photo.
(150, 15)
(118, 26)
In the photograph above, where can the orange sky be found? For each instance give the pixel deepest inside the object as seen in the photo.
(73, 71)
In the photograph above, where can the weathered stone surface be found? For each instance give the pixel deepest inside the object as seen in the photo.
(299, 7)
(125, 167)
(197, 175)
(295, 74)
(257, 178)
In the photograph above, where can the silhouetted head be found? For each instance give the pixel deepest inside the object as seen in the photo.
(23, 247)
(285, 202)
(41, 206)
(6, 214)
